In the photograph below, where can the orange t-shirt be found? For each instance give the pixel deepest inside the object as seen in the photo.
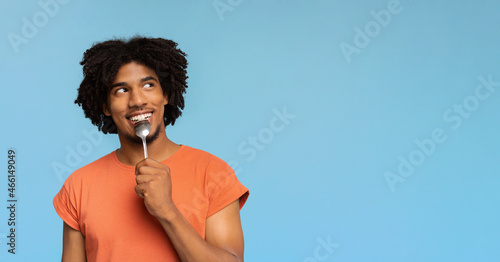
(99, 200)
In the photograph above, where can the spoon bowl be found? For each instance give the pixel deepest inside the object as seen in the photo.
(142, 130)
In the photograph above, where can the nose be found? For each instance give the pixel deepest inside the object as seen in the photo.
(137, 98)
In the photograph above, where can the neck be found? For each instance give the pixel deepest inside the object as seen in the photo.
(130, 153)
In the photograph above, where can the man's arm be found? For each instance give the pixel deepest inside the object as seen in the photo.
(224, 236)
(73, 245)
(223, 232)
(223, 229)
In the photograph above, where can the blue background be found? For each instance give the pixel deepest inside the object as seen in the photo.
(354, 115)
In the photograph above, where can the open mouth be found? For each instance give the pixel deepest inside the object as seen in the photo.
(138, 118)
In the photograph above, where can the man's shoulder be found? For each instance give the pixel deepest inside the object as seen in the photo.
(104, 160)
(93, 167)
(200, 157)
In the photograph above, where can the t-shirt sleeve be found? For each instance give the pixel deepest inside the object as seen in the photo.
(66, 204)
(225, 188)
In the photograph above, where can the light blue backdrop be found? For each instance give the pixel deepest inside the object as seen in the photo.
(365, 130)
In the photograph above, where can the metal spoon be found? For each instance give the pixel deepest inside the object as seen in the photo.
(142, 130)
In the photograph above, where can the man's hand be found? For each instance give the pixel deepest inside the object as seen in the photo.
(154, 185)
(224, 236)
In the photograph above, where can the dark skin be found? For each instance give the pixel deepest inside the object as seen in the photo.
(136, 90)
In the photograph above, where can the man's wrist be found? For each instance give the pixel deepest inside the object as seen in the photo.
(170, 214)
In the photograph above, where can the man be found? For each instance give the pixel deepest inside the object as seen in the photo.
(180, 203)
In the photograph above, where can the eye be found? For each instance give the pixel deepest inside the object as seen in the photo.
(120, 90)
(148, 85)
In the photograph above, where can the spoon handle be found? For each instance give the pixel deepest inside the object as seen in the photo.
(145, 148)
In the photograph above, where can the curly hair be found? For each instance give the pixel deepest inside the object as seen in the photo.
(102, 61)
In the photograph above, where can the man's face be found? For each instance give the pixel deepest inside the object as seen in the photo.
(136, 95)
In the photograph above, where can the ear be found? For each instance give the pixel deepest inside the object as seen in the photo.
(105, 110)
(165, 100)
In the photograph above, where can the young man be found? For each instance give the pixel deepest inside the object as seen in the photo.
(180, 203)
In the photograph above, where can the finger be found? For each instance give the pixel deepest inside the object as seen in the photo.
(140, 190)
(142, 179)
(149, 170)
(148, 176)
(150, 163)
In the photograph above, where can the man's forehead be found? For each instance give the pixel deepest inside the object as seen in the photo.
(134, 71)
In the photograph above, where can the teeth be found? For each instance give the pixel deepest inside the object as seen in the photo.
(141, 117)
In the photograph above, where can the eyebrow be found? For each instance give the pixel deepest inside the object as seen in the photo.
(147, 78)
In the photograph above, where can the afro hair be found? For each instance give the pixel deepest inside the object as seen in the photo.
(102, 61)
